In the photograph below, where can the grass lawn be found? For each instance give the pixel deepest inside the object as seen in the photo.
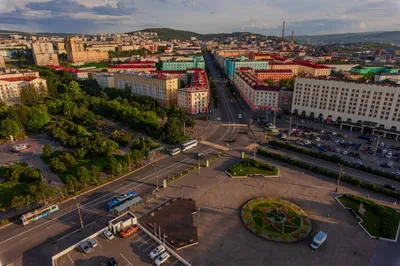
(201, 117)
(249, 167)
(8, 191)
(371, 220)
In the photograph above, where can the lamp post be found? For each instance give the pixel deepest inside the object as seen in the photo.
(290, 126)
(339, 176)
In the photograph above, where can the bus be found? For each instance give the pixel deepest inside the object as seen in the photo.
(120, 200)
(175, 151)
(38, 214)
(188, 145)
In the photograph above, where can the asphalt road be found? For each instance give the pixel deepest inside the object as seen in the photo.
(20, 243)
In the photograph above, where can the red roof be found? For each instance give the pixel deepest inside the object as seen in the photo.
(273, 71)
(310, 64)
(244, 68)
(169, 71)
(280, 58)
(19, 79)
(147, 62)
(132, 66)
(68, 69)
(260, 87)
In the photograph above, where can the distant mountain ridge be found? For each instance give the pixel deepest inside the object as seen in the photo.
(378, 36)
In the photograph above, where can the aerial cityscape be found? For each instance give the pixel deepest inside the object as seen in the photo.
(198, 133)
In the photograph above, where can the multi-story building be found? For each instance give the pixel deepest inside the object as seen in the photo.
(11, 87)
(232, 64)
(195, 98)
(2, 62)
(299, 67)
(366, 107)
(131, 68)
(260, 56)
(59, 48)
(179, 74)
(14, 73)
(43, 54)
(161, 88)
(373, 69)
(76, 52)
(76, 73)
(105, 80)
(273, 75)
(196, 62)
(394, 77)
(259, 97)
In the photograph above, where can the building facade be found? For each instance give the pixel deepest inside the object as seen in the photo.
(232, 64)
(193, 99)
(2, 62)
(365, 104)
(105, 80)
(159, 87)
(11, 87)
(196, 62)
(131, 68)
(373, 69)
(273, 75)
(76, 52)
(43, 54)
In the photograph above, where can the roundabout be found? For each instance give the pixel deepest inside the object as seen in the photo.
(275, 219)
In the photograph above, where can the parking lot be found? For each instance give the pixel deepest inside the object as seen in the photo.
(134, 250)
(376, 152)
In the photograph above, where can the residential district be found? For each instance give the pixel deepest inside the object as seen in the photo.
(240, 149)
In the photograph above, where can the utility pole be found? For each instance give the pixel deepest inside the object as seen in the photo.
(274, 117)
(199, 167)
(340, 174)
(254, 150)
(129, 161)
(290, 126)
(80, 216)
(184, 129)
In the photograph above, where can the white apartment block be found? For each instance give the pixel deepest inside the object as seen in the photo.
(367, 107)
(105, 80)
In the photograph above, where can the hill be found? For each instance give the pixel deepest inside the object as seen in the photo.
(8, 32)
(168, 34)
(392, 37)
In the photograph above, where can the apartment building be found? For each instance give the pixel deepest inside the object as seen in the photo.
(394, 77)
(43, 54)
(161, 88)
(259, 97)
(105, 80)
(273, 75)
(299, 67)
(11, 87)
(76, 52)
(174, 64)
(131, 68)
(194, 98)
(373, 69)
(14, 73)
(76, 73)
(367, 107)
(179, 74)
(2, 62)
(231, 64)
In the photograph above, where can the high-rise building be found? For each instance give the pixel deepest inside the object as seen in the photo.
(44, 54)
(76, 52)
(194, 98)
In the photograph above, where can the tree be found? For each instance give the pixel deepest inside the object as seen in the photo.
(18, 202)
(95, 174)
(47, 150)
(8, 128)
(84, 175)
(269, 82)
(80, 153)
(287, 83)
(28, 201)
(68, 159)
(136, 157)
(173, 132)
(71, 183)
(31, 175)
(38, 119)
(58, 166)
(74, 90)
(29, 94)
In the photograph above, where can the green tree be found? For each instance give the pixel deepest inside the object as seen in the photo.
(71, 183)
(9, 128)
(28, 201)
(13, 176)
(287, 83)
(29, 95)
(74, 90)
(136, 157)
(269, 82)
(84, 175)
(68, 159)
(80, 153)
(38, 119)
(41, 192)
(18, 202)
(95, 174)
(173, 131)
(30, 175)
(47, 150)
(58, 166)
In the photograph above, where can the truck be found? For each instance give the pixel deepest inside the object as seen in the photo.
(318, 240)
(130, 230)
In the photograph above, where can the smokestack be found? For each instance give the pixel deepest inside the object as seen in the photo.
(283, 34)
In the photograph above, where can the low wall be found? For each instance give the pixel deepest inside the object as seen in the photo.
(246, 176)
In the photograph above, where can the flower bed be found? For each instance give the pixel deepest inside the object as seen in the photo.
(252, 167)
(275, 219)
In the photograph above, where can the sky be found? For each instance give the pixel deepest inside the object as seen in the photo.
(304, 17)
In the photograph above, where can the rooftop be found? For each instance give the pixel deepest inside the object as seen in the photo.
(273, 71)
(132, 66)
(329, 78)
(19, 79)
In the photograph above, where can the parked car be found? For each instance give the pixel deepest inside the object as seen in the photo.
(345, 152)
(92, 242)
(108, 235)
(112, 262)
(382, 144)
(84, 246)
(318, 240)
(162, 258)
(130, 230)
(156, 252)
(333, 133)
(317, 139)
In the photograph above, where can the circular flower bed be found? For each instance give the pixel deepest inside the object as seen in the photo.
(276, 219)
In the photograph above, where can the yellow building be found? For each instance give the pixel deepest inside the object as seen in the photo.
(10, 87)
(159, 87)
(44, 54)
(76, 52)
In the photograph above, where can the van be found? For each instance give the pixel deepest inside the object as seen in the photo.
(84, 246)
(175, 151)
(318, 240)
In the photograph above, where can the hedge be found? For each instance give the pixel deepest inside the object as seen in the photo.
(332, 174)
(334, 159)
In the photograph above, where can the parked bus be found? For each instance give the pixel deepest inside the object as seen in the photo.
(121, 199)
(188, 145)
(38, 214)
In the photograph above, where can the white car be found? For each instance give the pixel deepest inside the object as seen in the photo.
(161, 259)
(307, 143)
(333, 133)
(384, 151)
(382, 144)
(157, 251)
(390, 164)
(240, 116)
(337, 141)
(388, 156)
(317, 139)
(219, 118)
(301, 121)
(108, 235)
(345, 152)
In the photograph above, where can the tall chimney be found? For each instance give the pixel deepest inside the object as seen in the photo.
(283, 34)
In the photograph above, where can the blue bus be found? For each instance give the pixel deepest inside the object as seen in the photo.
(38, 214)
(119, 200)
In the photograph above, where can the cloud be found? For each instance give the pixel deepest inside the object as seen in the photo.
(189, 3)
(123, 7)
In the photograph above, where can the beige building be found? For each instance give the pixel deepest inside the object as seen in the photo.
(193, 99)
(76, 52)
(361, 106)
(105, 80)
(2, 62)
(44, 54)
(10, 87)
(59, 48)
(159, 87)
(14, 73)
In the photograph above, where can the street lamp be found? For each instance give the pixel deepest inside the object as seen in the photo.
(290, 126)
(339, 176)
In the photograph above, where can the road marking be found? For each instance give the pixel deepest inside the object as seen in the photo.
(97, 241)
(70, 258)
(217, 146)
(141, 238)
(23, 238)
(74, 231)
(145, 242)
(149, 247)
(174, 262)
(125, 259)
